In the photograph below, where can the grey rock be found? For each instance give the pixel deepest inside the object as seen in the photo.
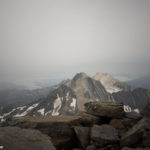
(83, 135)
(136, 134)
(104, 135)
(91, 147)
(146, 111)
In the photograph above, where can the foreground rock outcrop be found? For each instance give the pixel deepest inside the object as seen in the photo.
(59, 128)
(104, 126)
(14, 138)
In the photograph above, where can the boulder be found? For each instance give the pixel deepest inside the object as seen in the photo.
(83, 135)
(135, 136)
(105, 109)
(104, 135)
(14, 138)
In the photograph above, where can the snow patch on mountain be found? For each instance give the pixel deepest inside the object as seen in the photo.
(73, 104)
(57, 106)
(67, 96)
(42, 111)
(27, 110)
(6, 114)
(111, 84)
(21, 108)
(48, 113)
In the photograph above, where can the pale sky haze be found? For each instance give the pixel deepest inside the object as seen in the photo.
(53, 39)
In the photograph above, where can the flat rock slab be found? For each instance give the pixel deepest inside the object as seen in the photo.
(14, 138)
(104, 135)
(105, 109)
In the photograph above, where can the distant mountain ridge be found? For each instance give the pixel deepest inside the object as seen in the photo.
(70, 96)
(143, 82)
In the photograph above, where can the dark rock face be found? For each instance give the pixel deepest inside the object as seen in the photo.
(138, 98)
(14, 138)
(146, 111)
(105, 109)
(104, 135)
(83, 135)
(88, 89)
(137, 134)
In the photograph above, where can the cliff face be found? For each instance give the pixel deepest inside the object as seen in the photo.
(88, 89)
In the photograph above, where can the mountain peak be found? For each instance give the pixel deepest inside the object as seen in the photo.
(111, 84)
(99, 76)
(80, 75)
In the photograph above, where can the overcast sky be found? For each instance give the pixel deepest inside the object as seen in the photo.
(53, 39)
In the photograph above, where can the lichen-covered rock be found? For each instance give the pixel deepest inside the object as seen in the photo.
(14, 138)
(105, 109)
(104, 135)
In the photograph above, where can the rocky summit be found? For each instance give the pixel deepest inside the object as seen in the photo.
(102, 127)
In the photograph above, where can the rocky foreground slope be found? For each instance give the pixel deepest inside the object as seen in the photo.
(104, 126)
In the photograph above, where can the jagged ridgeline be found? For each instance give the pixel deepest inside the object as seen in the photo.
(69, 97)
